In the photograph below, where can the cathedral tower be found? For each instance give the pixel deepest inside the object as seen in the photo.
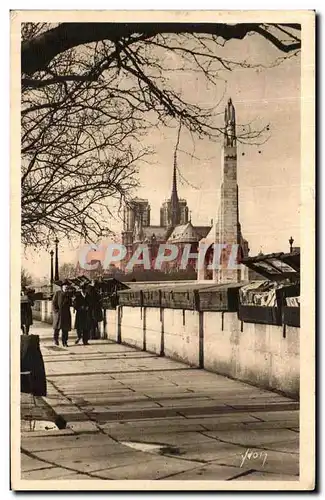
(174, 211)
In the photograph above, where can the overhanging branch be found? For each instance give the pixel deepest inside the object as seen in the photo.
(37, 53)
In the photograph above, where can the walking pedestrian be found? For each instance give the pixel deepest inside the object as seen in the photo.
(61, 304)
(96, 313)
(26, 314)
(82, 305)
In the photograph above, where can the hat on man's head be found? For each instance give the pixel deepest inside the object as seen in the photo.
(61, 283)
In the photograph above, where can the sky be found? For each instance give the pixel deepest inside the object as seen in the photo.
(268, 175)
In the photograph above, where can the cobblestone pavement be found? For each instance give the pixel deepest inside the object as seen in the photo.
(134, 415)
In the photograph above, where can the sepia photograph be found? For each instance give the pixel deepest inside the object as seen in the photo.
(162, 201)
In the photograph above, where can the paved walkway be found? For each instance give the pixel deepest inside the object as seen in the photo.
(135, 415)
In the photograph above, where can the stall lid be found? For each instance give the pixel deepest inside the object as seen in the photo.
(276, 266)
(79, 280)
(113, 283)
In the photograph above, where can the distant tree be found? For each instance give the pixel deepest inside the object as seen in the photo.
(25, 278)
(67, 270)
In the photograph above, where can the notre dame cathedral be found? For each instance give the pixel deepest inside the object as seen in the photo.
(175, 225)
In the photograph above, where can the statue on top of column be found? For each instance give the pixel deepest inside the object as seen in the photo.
(230, 124)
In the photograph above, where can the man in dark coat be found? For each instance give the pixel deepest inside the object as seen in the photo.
(61, 304)
(26, 315)
(96, 313)
(82, 305)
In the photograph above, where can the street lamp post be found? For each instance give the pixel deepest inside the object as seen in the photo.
(51, 254)
(56, 271)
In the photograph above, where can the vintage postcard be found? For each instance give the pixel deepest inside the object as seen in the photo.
(163, 198)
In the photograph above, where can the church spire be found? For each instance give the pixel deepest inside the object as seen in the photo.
(175, 213)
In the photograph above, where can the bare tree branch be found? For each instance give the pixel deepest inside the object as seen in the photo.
(92, 91)
(36, 53)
